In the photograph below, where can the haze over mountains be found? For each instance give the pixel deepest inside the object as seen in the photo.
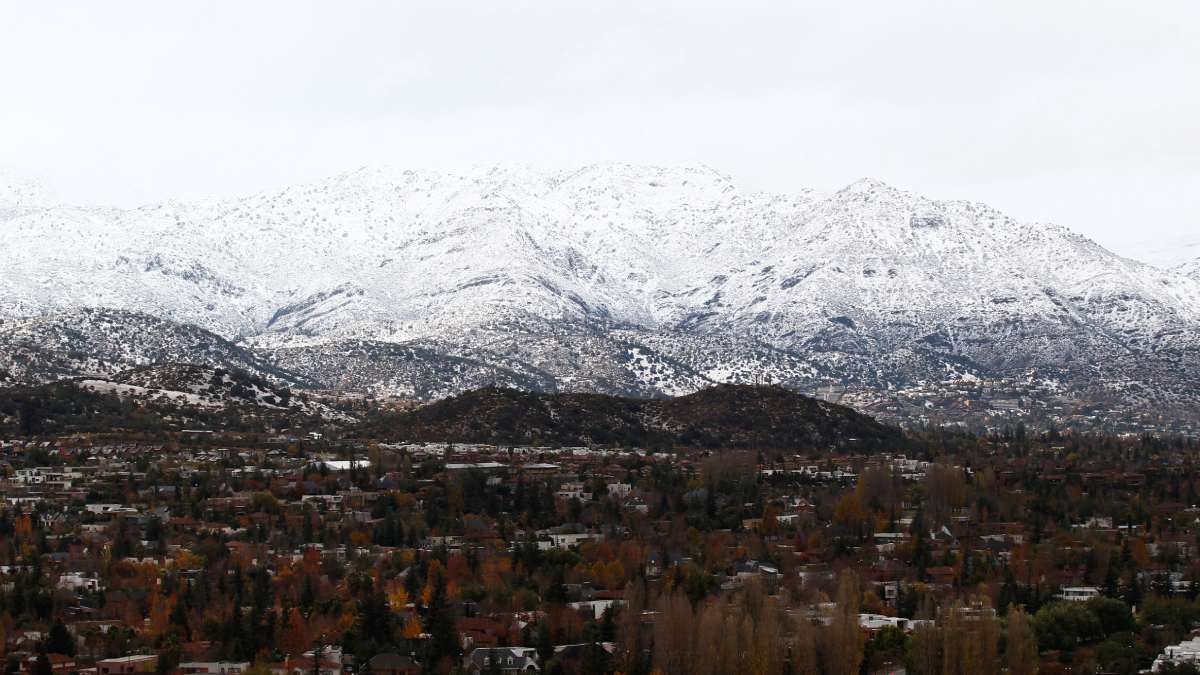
(610, 278)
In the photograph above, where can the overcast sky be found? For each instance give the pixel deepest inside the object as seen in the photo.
(1081, 113)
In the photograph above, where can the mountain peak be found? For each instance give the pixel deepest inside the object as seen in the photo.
(869, 184)
(613, 277)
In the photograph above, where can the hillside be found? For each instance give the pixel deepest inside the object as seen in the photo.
(97, 342)
(725, 416)
(159, 399)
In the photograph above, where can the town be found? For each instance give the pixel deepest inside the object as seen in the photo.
(995, 404)
(219, 553)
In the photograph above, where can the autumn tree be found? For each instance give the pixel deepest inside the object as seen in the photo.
(945, 490)
(804, 647)
(843, 639)
(925, 649)
(849, 516)
(1021, 649)
(295, 638)
(673, 634)
(630, 646)
(710, 625)
(767, 657)
(970, 640)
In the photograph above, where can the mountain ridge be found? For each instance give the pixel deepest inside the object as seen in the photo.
(623, 279)
(722, 416)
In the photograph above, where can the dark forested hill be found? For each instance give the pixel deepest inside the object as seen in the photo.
(733, 416)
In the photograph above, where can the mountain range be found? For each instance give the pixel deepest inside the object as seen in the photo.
(631, 280)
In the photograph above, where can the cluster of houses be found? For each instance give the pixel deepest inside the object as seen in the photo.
(88, 493)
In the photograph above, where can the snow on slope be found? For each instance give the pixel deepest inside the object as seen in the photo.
(205, 387)
(1190, 269)
(610, 277)
(391, 254)
(103, 342)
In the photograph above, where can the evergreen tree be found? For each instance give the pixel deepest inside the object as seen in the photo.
(59, 640)
(443, 638)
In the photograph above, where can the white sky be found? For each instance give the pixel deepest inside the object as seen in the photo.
(1082, 113)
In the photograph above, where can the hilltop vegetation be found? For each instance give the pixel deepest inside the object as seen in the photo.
(163, 399)
(726, 416)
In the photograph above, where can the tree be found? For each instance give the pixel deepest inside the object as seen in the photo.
(970, 639)
(945, 489)
(412, 628)
(59, 640)
(375, 617)
(629, 631)
(1113, 614)
(710, 626)
(1176, 614)
(673, 634)
(849, 516)
(804, 647)
(544, 644)
(844, 639)
(443, 639)
(1120, 654)
(925, 649)
(987, 638)
(1065, 625)
(295, 639)
(767, 656)
(955, 643)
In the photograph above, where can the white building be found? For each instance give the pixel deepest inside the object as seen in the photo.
(1187, 651)
(73, 581)
(569, 491)
(214, 667)
(32, 476)
(108, 509)
(619, 489)
(1078, 593)
(567, 541)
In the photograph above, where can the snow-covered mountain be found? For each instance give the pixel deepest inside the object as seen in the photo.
(103, 342)
(1190, 268)
(205, 387)
(616, 278)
